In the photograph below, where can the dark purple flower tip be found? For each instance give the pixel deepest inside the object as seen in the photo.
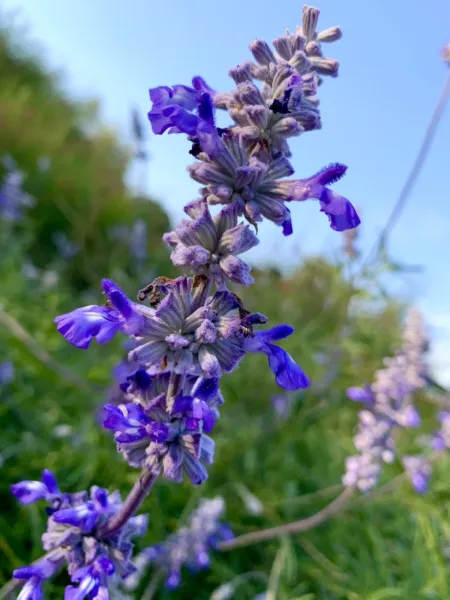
(206, 108)
(100, 496)
(329, 175)
(49, 480)
(182, 404)
(142, 379)
(80, 326)
(158, 432)
(205, 389)
(287, 227)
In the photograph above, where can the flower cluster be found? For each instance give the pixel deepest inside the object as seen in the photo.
(187, 333)
(389, 405)
(244, 165)
(72, 539)
(189, 546)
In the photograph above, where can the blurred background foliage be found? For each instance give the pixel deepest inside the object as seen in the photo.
(389, 545)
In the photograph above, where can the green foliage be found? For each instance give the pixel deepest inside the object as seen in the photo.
(80, 191)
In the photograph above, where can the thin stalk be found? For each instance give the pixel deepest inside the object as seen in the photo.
(296, 527)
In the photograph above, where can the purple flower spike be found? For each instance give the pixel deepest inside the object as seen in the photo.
(288, 374)
(340, 211)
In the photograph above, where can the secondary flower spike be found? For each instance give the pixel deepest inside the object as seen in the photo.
(71, 539)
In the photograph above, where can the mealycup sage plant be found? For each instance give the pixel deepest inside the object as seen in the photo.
(191, 331)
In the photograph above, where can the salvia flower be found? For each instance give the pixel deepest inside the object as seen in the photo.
(389, 402)
(80, 326)
(71, 539)
(190, 545)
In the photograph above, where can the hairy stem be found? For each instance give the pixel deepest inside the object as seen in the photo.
(295, 527)
(137, 495)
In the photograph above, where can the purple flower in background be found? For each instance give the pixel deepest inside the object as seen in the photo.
(441, 438)
(362, 472)
(6, 372)
(282, 405)
(418, 469)
(102, 322)
(66, 248)
(13, 200)
(189, 546)
(364, 395)
(210, 245)
(389, 405)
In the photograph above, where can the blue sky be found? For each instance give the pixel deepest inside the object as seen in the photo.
(374, 115)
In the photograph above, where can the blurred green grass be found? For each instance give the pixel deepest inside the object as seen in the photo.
(394, 545)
